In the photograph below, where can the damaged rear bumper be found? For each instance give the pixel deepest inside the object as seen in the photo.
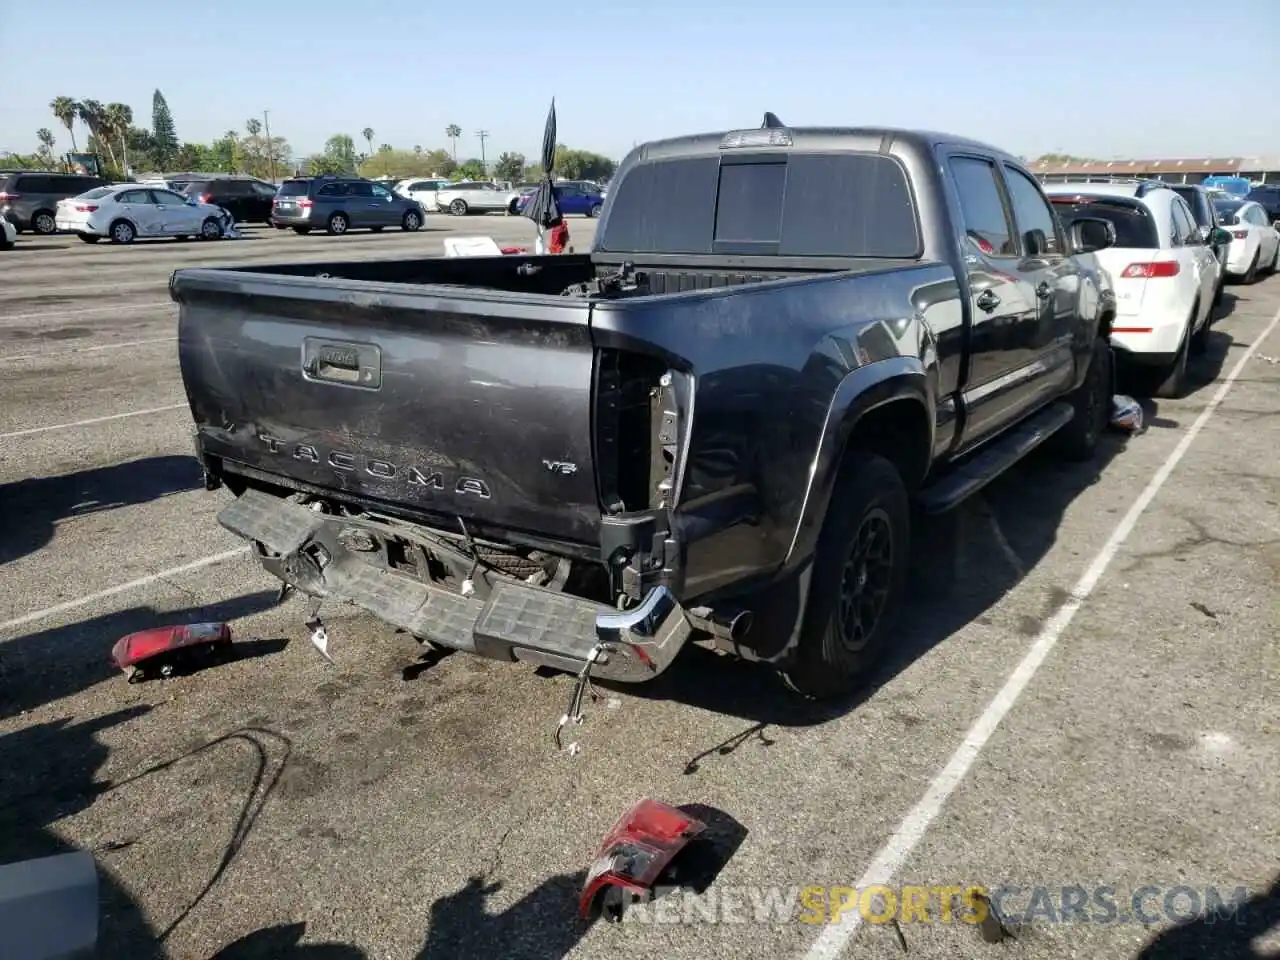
(516, 622)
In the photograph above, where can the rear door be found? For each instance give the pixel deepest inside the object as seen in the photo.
(139, 207)
(1194, 256)
(1005, 312)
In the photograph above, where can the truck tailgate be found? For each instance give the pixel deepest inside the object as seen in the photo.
(456, 402)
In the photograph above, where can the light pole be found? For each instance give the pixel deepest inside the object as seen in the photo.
(271, 157)
(483, 135)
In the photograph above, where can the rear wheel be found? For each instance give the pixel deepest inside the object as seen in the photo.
(1251, 275)
(1173, 382)
(122, 232)
(44, 224)
(458, 208)
(595, 211)
(858, 578)
(1078, 440)
(412, 221)
(338, 224)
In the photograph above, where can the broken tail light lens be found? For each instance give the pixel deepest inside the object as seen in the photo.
(1151, 271)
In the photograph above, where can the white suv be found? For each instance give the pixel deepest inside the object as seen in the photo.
(1167, 278)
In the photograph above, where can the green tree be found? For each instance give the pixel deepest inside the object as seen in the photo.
(339, 156)
(510, 166)
(453, 132)
(45, 153)
(471, 169)
(117, 119)
(165, 136)
(438, 163)
(94, 115)
(583, 164)
(367, 133)
(66, 110)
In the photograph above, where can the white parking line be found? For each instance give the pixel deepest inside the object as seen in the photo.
(48, 354)
(114, 308)
(893, 855)
(150, 578)
(91, 421)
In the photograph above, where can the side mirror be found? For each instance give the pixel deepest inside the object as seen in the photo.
(1218, 237)
(1091, 234)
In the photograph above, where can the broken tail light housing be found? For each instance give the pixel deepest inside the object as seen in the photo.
(634, 855)
(160, 650)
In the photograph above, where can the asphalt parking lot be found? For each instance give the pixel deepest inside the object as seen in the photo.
(1093, 702)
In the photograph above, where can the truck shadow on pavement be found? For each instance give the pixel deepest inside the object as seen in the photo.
(33, 508)
(964, 564)
(46, 666)
(1216, 937)
(52, 773)
(544, 924)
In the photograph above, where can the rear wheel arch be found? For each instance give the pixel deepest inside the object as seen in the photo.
(874, 408)
(899, 430)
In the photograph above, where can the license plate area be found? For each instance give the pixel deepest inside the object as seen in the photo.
(342, 363)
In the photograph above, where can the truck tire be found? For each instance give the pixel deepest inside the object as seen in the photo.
(859, 574)
(1078, 440)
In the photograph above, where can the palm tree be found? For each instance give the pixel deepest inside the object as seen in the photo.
(94, 114)
(453, 132)
(367, 133)
(66, 110)
(117, 119)
(253, 126)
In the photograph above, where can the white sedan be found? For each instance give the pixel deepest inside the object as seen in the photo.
(8, 234)
(124, 212)
(1255, 244)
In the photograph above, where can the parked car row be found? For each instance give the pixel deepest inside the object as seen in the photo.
(1175, 247)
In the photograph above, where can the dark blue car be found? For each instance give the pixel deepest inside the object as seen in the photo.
(576, 197)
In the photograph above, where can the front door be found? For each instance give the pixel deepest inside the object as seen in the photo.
(1053, 338)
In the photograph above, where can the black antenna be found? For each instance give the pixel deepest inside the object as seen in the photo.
(771, 122)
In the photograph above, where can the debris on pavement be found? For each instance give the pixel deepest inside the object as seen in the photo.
(1195, 605)
(162, 651)
(1126, 414)
(634, 854)
(1265, 359)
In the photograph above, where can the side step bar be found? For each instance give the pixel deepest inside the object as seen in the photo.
(964, 481)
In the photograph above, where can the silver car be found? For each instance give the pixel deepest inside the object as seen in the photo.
(478, 196)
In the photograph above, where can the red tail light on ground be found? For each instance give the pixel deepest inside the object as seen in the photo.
(1151, 271)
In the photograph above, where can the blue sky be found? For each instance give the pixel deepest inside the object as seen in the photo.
(1083, 77)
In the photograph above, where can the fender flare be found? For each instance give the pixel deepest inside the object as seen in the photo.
(861, 391)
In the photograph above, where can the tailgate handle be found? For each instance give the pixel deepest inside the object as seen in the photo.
(338, 362)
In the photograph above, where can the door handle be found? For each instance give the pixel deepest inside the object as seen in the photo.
(1044, 291)
(987, 301)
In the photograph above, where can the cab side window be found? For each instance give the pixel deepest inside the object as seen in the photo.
(1038, 227)
(986, 221)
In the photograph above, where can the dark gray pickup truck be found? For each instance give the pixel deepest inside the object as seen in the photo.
(715, 425)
